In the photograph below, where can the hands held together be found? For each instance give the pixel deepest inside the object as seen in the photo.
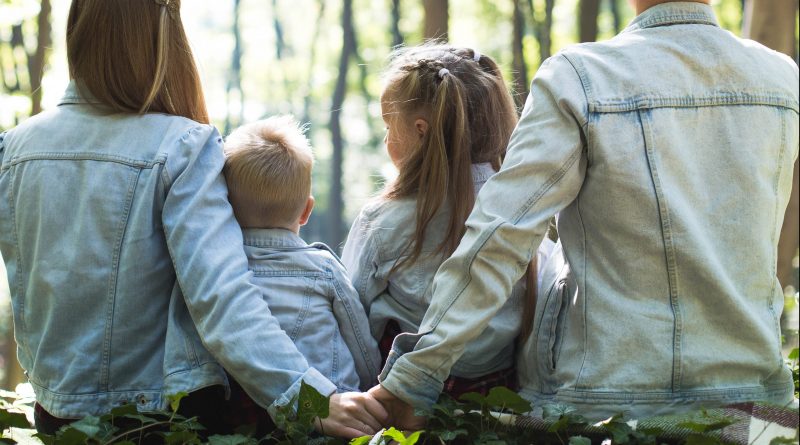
(354, 414)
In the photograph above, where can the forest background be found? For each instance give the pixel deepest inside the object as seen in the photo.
(322, 60)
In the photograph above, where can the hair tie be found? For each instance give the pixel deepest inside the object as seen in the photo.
(172, 7)
(476, 56)
(443, 72)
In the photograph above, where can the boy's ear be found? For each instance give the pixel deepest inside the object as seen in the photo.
(421, 126)
(307, 211)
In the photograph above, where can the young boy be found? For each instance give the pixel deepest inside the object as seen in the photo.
(268, 170)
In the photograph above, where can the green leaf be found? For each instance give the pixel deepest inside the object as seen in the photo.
(89, 425)
(71, 436)
(394, 435)
(619, 430)
(555, 411)
(236, 439)
(10, 419)
(7, 440)
(473, 398)
(784, 440)
(123, 410)
(500, 396)
(452, 435)
(579, 440)
(175, 400)
(145, 420)
(311, 404)
(705, 422)
(412, 439)
(363, 440)
(702, 439)
(794, 354)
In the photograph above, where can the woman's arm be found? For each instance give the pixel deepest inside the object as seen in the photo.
(233, 321)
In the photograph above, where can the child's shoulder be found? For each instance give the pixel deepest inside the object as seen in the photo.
(381, 212)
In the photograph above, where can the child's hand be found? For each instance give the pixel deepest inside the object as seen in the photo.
(402, 414)
(353, 414)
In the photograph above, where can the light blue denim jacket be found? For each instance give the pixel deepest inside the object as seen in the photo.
(308, 291)
(104, 220)
(378, 237)
(668, 152)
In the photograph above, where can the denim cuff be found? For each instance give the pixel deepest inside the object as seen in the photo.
(406, 381)
(311, 377)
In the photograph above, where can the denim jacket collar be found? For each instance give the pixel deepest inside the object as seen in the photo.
(673, 13)
(280, 238)
(75, 95)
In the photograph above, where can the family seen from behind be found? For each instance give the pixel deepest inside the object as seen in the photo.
(147, 257)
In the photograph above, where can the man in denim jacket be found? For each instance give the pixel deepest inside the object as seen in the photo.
(667, 153)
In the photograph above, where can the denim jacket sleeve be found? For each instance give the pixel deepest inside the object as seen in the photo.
(2, 147)
(542, 174)
(360, 257)
(233, 321)
(354, 327)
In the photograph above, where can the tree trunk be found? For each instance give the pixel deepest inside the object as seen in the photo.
(543, 30)
(520, 68)
(335, 201)
(280, 44)
(436, 19)
(772, 23)
(589, 9)
(616, 15)
(234, 84)
(397, 36)
(312, 62)
(37, 60)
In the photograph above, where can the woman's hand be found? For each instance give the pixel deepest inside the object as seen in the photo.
(353, 414)
(402, 414)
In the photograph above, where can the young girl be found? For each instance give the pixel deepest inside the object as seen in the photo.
(448, 119)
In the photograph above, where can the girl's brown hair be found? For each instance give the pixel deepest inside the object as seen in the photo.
(471, 116)
(133, 56)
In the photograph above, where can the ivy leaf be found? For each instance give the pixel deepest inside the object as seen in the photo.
(10, 419)
(89, 425)
(45, 438)
(394, 435)
(71, 436)
(706, 422)
(175, 400)
(783, 440)
(236, 439)
(619, 430)
(311, 404)
(145, 420)
(7, 440)
(556, 411)
(702, 439)
(452, 435)
(500, 396)
(795, 354)
(363, 440)
(412, 439)
(579, 440)
(473, 397)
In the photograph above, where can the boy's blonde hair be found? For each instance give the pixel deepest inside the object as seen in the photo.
(268, 170)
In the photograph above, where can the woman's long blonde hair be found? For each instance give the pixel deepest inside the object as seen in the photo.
(133, 56)
(471, 116)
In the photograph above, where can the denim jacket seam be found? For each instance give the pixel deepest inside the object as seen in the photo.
(20, 265)
(339, 295)
(82, 156)
(580, 72)
(669, 250)
(585, 295)
(718, 98)
(778, 214)
(112, 280)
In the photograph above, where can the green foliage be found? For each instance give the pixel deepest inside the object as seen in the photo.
(793, 364)
(473, 420)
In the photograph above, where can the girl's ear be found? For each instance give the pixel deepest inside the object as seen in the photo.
(421, 126)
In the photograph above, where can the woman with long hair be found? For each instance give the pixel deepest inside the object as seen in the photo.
(128, 281)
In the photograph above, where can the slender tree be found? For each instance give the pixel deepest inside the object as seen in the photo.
(336, 203)
(234, 83)
(543, 29)
(280, 44)
(616, 15)
(772, 22)
(587, 25)
(520, 73)
(436, 19)
(38, 60)
(312, 61)
(397, 36)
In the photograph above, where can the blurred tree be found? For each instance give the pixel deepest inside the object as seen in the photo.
(587, 25)
(436, 19)
(520, 68)
(616, 15)
(336, 201)
(397, 36)
(543, 29)
(234, 83)
(773, 23)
